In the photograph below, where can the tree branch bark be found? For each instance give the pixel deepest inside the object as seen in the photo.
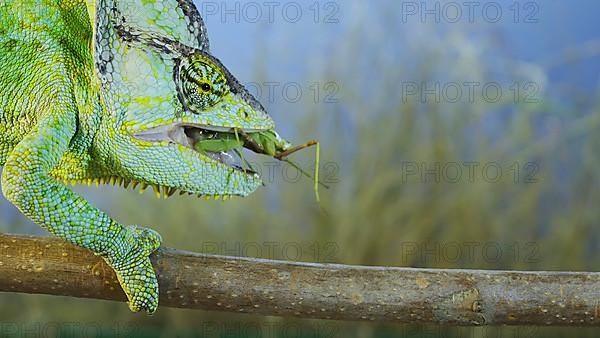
(327, 291)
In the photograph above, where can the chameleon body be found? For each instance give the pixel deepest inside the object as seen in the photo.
(115, 91)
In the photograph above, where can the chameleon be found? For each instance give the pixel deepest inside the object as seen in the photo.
(114, 91)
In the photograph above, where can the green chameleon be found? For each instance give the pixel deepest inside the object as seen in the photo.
(119, 91)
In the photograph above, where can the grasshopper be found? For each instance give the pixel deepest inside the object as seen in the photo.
(265, 142)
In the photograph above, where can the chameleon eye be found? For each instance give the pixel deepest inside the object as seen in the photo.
(206, 87)
(200, 84)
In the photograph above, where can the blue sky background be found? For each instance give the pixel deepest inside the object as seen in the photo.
(561, 27)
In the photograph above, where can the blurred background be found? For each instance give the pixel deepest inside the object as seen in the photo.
(454, 135)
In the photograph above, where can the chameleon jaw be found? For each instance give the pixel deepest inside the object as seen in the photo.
(187, 135)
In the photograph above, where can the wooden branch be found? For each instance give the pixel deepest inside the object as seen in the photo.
(404, 295)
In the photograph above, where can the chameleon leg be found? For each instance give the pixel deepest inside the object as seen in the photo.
(26, 183)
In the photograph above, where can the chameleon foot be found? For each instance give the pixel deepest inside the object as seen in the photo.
(134, 269)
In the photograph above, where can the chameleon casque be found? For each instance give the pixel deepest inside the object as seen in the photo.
(115, 91)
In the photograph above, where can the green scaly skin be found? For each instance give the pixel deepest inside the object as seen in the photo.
(105, 91)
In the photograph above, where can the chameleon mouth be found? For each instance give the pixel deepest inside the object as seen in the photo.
(189, 135)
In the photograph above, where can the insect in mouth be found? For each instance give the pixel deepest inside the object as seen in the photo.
(265, 142)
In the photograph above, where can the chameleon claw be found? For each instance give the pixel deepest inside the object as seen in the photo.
(134, 269)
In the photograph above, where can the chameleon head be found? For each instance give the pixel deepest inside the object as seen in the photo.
(161, 89)
(163, 105)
